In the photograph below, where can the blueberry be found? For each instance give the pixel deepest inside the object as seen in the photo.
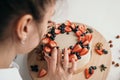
(79, 57)
(90, 70)
(94, 67)
(105, 51)
(75, 30)
(77, 54)
(63, 25)
(52, 38)
(67, 33)
(73, 53)
(88, 47)
(34, 68)
(31, 66)
(80, 42)
(82, 34)
(71, 47)
(62, 31)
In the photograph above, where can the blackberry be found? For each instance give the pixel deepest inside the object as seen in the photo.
(67, 33)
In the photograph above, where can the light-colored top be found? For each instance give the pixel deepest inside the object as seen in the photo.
(11, 73)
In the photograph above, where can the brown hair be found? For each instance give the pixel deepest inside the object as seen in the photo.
(12, 10)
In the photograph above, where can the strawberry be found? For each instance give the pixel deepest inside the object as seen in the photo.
(81, 38)
(45, 40)
(42, 73)
(78, 33)
(68, 23)
(72, 56)
(82, 28)
(77, 48)
(100, 52)
(86, 42)
(84, 51)
(68, 29)
(87, 74)
(53, 44)
(88, 37)
(73, 26)
(47, 49)
(57, 31)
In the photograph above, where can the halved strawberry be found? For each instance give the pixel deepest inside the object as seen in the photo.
(87, 74)
(57, 31)
(73, 26)
(53, 44)
(42, 73)
(72, 56)
(45, 40)
(68, 29)
(68, 23)
(78, 33)
(81, 38)
(88, 37)
(82, 28)
(47, 49)
(86, 42)
(100, 52)
(77, 48)
(84, 51)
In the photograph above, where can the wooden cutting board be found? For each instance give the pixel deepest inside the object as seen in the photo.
(96, 60)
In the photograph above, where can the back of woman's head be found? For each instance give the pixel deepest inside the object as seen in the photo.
(12, 10)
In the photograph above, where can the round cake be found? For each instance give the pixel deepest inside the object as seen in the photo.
(75, 37)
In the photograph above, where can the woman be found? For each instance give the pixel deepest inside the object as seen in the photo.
(22, 25)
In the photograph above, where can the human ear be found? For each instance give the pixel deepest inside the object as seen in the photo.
(22, 28)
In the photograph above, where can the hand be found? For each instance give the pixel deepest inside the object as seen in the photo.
(58, 69)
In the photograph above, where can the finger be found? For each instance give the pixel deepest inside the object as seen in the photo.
(66, 59)
(73, 68)
(48, 61)
(53, 60)
(59, 58)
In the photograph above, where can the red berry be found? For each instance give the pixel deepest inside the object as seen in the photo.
(45, 40)
(78, 33)
(72, 56)
(42, 73)
(77, 48)
(47, 49)
(53, 44)
(68, 29)
(84, 51)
